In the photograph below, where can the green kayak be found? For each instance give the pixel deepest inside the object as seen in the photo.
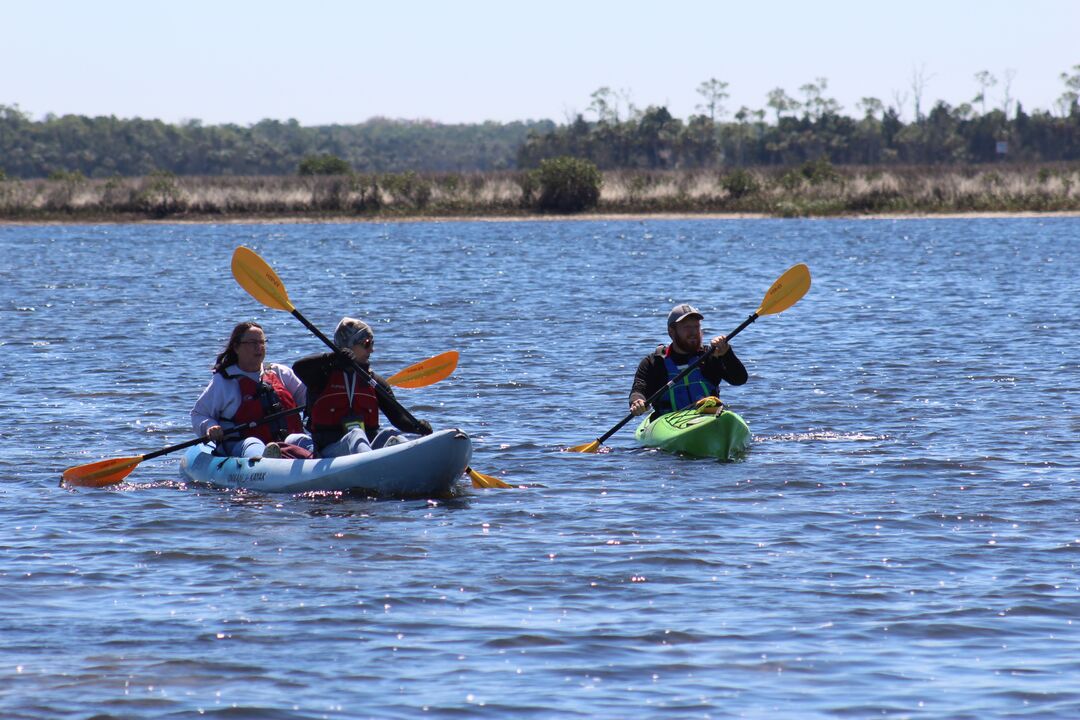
(697, 432)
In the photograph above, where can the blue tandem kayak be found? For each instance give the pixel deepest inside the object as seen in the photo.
(425, 467)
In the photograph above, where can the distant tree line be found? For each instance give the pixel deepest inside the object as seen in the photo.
(801, 131)
(105, 147)
(617, 135)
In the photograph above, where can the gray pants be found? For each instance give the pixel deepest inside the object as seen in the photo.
(356, 441)
(254, 447)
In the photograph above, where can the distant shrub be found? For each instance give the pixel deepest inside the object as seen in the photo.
(819, 171)
(408, 188)
(329, 193)
(740, 183)
(451, 185)
(324, 164)
(530, 186)
(876, 200)
(366, 195)
(637, 186)
(69, 176)
(64, 187)
(161, 196)
(568, 185)
(476, 184)
(791, 180)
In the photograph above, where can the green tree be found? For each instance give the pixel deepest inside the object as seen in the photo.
(985, 80)
(781, 103)
(871, 107)
(816, 104)
(1006, 92)
(698, 144)
(656, 133)
(740, 183)
(324, 164)
(919, 81)
(714, 92)
(605, 104)
(1069, 98)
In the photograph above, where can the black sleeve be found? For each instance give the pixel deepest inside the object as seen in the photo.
(645, 377)
(397, 416)
(313, 371)
(727, 367)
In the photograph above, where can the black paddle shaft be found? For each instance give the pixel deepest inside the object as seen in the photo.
(379, 391)
(685, 371)
(228, 433)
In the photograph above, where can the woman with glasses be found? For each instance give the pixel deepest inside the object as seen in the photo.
(342, 408)
(245, 388)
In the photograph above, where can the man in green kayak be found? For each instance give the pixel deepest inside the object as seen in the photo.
(667, 361)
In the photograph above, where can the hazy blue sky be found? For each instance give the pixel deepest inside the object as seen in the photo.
(473, 60)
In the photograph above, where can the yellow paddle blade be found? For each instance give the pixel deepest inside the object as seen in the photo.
(101, 473)
(480, 480)
(786, 291)
(592, 447)
(260, 280)
(426, 372)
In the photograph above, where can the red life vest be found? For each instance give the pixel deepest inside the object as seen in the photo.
(334, 410)
(259, 399)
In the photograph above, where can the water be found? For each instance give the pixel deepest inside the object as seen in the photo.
(901, 541)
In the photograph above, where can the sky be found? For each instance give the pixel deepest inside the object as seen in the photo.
(468, 61)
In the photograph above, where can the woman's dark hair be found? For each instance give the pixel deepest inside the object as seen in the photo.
(228, 356)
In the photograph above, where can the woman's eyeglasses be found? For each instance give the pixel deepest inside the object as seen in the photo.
(253, 342)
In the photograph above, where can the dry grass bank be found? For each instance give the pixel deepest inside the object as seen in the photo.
(812, 190)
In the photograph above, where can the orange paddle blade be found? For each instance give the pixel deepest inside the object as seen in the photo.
(260, 280)
(426, 372)
(786, 291)
(101, 473)
(591, 447)
(480, 480)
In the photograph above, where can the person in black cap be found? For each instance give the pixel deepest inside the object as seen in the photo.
(659, 367)
(342, 408)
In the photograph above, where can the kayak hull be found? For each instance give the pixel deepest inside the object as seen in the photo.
(425, 467)
(691, 432)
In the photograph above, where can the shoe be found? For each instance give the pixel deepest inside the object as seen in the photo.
(273, 450)
(395, 440)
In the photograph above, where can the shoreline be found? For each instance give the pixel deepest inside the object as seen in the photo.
(256, 219)
(821, 191)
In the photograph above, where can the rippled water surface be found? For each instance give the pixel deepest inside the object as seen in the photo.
(902, 539)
